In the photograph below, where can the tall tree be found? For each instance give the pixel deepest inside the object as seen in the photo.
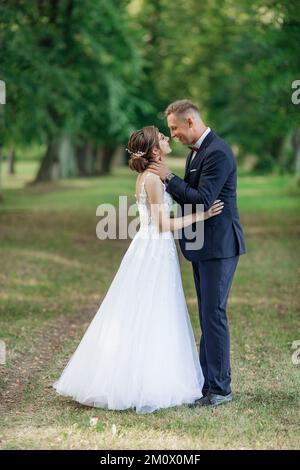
(70, 68)
(236, 59)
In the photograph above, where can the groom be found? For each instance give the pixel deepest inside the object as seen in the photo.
(210, 174)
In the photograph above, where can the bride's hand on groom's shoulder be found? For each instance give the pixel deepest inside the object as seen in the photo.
(214, 210)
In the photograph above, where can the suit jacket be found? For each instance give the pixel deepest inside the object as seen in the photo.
(211, 175)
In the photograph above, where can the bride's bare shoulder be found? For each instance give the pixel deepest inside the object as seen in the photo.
(152, 180)
(151, 177)
(154, 187)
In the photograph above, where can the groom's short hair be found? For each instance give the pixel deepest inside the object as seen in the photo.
(181, 107)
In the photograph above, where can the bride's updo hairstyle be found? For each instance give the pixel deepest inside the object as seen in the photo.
(140, 146)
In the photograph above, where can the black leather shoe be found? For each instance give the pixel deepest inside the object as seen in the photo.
(212, 399)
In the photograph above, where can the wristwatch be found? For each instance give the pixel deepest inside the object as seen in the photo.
(169, 177)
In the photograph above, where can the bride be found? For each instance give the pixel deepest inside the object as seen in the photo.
(139, 351)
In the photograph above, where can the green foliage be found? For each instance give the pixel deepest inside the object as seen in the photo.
(70, 68)
(236, 59)
(96, 70)
(265, 164)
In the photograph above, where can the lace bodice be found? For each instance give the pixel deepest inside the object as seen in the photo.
(144, 206)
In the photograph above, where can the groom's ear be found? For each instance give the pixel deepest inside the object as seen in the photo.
(190, 121)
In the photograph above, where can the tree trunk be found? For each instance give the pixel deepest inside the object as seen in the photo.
(11, 161)
(296, 149)
(45, 172)
(107, 159)
(276, 148)
(68, 167)
(1, 195)
(85, 159)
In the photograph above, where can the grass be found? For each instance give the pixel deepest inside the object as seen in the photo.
(54, 274)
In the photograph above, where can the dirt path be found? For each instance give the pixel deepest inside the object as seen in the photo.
(46, 340)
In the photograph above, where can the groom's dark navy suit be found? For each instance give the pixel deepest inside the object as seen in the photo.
(212, 175)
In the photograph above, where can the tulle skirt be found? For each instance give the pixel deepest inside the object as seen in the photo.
(139, 351)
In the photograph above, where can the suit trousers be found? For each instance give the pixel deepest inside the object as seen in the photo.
(213, 279)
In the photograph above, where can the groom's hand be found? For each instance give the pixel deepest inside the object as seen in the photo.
(160, 169)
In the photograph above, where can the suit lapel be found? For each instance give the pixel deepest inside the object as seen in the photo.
(199, 155)
(187, 163)
(196, 161)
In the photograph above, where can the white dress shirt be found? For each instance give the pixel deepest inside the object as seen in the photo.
(199, 141)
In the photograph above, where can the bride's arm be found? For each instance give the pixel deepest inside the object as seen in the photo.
(161, 218)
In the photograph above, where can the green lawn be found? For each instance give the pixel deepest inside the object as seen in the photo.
(54, 274)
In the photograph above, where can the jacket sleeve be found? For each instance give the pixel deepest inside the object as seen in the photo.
(216, 168)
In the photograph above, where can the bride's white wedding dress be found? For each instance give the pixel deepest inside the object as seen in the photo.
(139, 350)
